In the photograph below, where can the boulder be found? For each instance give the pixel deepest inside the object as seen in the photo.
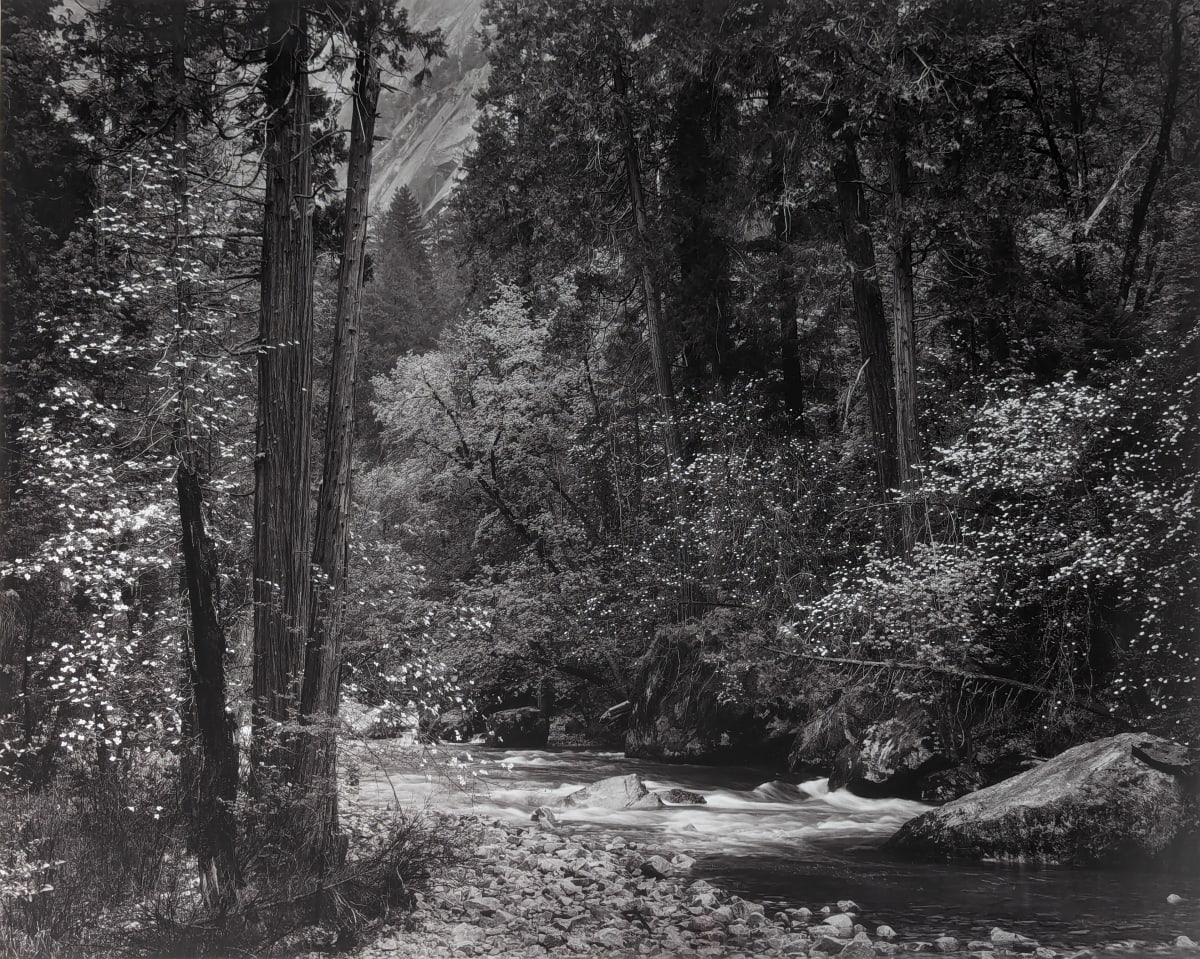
(1097, 805)
(616, 792)
(522, 728)
(458, 726)
(682, 707)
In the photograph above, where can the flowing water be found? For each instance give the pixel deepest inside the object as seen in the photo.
(800, 844)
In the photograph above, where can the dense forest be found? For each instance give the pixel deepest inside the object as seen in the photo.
(786, 374)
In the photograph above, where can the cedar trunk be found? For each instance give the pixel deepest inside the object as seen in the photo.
(323, 654)
(869, 315)
(281, 548)
(903, 348)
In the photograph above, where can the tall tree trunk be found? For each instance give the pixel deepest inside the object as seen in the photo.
(782, 223)
(869, 315)
(212, 758)
(282, 541)
(903, 349)
(1141, 209)
(656, 331)
(323, 654)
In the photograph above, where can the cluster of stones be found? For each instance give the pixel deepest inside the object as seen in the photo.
(534, 891)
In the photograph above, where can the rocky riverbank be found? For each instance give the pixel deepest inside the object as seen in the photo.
(538, 890)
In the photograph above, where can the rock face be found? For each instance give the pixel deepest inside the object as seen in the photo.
(616, 792)
(678, 714)
(427, 130)
(1097, 804)
(891, 759)
(521, 728)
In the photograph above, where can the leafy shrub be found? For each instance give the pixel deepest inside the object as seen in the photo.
(80, 847)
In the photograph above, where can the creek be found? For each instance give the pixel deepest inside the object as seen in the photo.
(797, 844)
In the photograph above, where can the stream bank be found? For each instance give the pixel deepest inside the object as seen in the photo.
(788, 847)
(539, 890)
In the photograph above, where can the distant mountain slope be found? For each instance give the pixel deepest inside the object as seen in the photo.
(428, 130)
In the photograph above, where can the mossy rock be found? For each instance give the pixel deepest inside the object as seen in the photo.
(1095, 805)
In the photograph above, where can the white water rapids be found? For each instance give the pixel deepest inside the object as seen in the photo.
(792, 843)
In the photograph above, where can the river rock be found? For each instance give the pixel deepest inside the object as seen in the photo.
(830, 945)
(1096, 804)
(885, 932)
(609, 938)
(945, 944)
(847, 905)
(616, 792)
(842, 923)
(522, 728)
(681, 797)
(656, 867)
(858, 950)
(1185, 942)
(1004, 939)
(1174, 899)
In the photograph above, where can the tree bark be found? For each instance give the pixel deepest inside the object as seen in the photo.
(869, 315)
(211, 770)
(317, 769)
(281, 550)
(903, 348)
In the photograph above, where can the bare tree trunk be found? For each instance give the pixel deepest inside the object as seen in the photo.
(211, 773)
(868, 306)
(281, 549)
(323, 654)
(903, 349)
(217, 767)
